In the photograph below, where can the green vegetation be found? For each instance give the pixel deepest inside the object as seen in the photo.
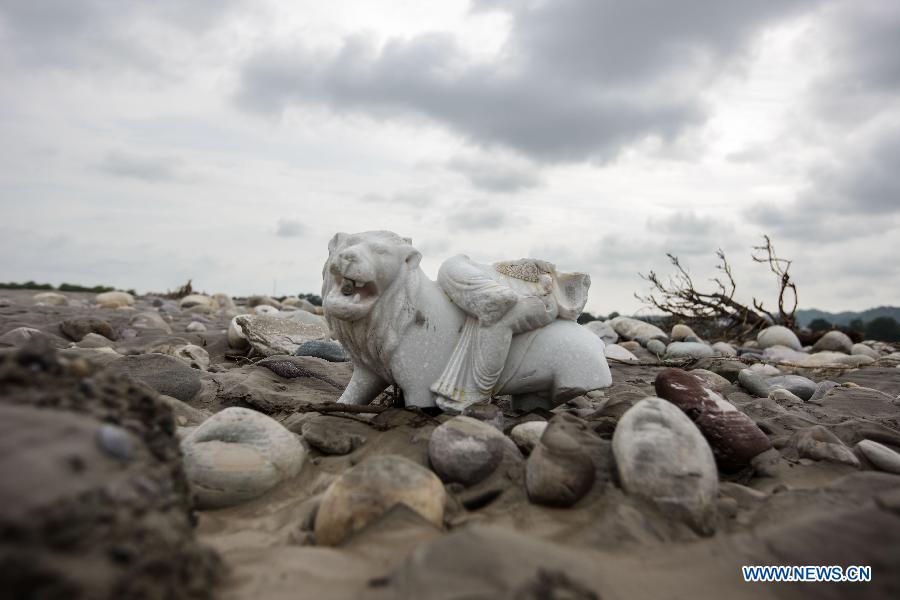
(313, 299)
(28, 285)
(64, 287)
(820, 324)
(885, 329)
(73, 287)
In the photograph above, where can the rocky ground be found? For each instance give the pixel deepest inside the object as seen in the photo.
(185, 449)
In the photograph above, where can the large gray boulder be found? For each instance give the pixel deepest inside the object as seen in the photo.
(778, 335)
(834, 341)
(631, 329)
(662, 457)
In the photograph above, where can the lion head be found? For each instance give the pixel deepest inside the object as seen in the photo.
(368, 286)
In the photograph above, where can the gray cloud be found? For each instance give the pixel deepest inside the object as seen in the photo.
(863, 77)
(495, 175)
(684, 223)
(477, 215)
(412, 197)
(578, 79)
(855, 195)
(290, 228)
(153, 169)
(90, 34)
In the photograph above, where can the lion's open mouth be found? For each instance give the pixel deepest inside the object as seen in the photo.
(354, 290)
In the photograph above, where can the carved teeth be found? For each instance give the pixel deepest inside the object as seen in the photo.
(360, 284)
(356, 298)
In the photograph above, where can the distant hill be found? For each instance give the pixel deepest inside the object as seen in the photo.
(804, 317)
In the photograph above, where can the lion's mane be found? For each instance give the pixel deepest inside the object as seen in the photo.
(373, 339)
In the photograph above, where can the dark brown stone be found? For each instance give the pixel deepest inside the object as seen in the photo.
(733, 436)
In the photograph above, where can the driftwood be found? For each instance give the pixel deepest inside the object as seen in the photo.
(679, 296)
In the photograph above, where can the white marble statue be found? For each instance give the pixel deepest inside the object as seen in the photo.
(478, 332)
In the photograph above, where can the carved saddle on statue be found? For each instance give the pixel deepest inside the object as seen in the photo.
(500, 300)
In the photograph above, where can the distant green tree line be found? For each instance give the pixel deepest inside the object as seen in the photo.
(884, 329)
(63, 287)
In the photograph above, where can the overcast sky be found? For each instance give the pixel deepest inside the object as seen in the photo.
(145, 143)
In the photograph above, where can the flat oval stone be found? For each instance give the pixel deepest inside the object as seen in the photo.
(368, 490)
(466, 450)
(881, 456)
(116, 442)
(662, 457)
(330, 351)
(238, 454)
(603, 330)
(630, 329)
(689, 350)
(761, 386)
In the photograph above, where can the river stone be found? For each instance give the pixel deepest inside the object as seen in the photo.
(114, 299)
(255, 301)
(193, 355)
(656, 347)
(764, 369)
(559, 471)
(270, 336)
(834, 341)
(527, 435)
(195, 327)
(299, 303)
(761, 386)
(302, 316)
(827, 358)
(778, 335)
(365, 492)
(862, 349)
(165, 374)
(20, 335)
(235, 335)
(727, 368)
(630, 329)
(326, 350)
(784, 397)
(662, 457)
(822, 388)
(224, 303)
(617, 352)
(50, 299)
(329, 435)
(783, 354)
(677, 350)
(75, 329)
(882, 457)
(150, 320)
(724, 349)
(466, 450)
(713, 380)
(681, 331)
(603, 330)
(238, 454)
(194, 300)
(734, 438)
(818, 443)
(93, 340)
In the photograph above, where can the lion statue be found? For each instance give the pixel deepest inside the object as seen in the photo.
(479, 331)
